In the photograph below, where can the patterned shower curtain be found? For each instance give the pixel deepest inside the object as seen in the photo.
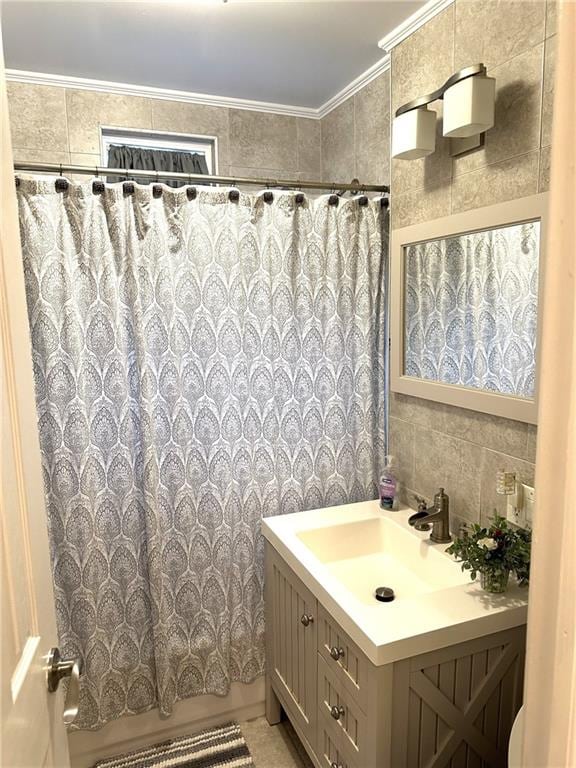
(199, 364)
(472, 309)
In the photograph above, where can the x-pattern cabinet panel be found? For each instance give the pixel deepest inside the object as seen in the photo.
(450, 708)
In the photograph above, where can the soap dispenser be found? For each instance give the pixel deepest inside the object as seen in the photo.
(388, 484)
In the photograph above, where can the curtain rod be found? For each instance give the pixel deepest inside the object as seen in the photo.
(130, 174)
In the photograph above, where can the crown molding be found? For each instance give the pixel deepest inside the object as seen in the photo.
(126, 89)
(382, 65)
(150, 92)
(401, 32)
(413, 23)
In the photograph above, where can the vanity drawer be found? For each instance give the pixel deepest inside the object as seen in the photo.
(342, 716)
(329, 751)
(345, 659)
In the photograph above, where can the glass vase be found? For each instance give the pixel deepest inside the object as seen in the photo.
(494, 581)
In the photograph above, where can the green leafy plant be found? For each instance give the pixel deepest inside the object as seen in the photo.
(498, 548)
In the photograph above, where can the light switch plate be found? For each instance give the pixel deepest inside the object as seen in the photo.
(520, 507)
(528, 505)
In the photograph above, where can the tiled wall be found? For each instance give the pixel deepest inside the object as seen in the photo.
(356, 136)
(435, 444)
(440, 445)
(53, 124)
(516, 41)
(443, 445)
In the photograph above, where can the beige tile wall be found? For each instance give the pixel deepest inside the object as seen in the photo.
(435, 444)
(438, 444)
(517, 43)
(53, 124)
(356, 136)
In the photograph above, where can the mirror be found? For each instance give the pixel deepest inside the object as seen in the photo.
(465, 308)
(471, 309)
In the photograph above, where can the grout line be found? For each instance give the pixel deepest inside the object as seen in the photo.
(541, 111)
(297, 145)
(493, 67)
(66, 120)
(355, 161)
(444, 433)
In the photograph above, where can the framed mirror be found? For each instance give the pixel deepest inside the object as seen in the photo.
(465, 312)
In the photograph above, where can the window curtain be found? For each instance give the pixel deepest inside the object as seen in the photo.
(199, 364)
(141, 158)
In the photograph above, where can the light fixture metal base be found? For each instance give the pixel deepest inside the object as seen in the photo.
(423, 101)
(459, 147)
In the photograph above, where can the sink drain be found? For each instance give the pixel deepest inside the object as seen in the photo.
(384, 594)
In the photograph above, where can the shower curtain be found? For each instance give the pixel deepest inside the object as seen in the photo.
(455, 312)
(199, 364)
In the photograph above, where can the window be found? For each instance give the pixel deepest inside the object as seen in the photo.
(160, 140)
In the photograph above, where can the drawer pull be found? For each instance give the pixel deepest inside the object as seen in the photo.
(336, 712)
(307, 619)
(336, 653)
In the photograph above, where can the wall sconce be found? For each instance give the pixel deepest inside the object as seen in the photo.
(414, 134)
(468, 97)
(469, 107)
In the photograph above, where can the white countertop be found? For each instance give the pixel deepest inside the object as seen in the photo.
(406, 627)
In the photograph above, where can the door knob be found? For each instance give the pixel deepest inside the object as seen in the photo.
(56, 669)
(306, 619)
(336, 653)
(336, 712)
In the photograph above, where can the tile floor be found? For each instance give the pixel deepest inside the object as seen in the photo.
(274, 746)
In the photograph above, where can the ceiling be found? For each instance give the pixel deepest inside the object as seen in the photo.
(294, 52)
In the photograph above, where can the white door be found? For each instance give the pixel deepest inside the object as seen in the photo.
(33, 733)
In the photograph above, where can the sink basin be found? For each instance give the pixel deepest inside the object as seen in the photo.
(376, 552)
(343, 553)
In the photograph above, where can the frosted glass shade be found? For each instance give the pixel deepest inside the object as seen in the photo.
(414, 134)
(469, 107)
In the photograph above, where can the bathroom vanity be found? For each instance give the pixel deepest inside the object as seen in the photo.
(432, 678)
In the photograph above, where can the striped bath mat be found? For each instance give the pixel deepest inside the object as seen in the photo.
(216, 748)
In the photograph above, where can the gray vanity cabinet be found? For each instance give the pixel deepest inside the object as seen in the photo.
(450, 707)
(291, 631)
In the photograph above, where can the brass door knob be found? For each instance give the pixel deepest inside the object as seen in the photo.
(337, 712)
(336, 653)
(58, 668)
(306, 619)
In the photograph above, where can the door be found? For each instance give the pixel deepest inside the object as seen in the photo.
(33, 734)
(292, 646)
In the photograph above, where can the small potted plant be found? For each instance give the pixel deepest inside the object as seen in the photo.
(493, 552)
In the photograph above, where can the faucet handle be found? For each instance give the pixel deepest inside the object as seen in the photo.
(422, 503)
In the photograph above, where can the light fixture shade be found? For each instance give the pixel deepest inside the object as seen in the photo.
(414, 134)
(469, 107)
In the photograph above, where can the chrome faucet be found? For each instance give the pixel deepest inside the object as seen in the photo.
(437, 515)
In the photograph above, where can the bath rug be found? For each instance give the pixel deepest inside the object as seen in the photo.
(222, 747)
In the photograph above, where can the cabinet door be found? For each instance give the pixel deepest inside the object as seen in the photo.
(291, 643)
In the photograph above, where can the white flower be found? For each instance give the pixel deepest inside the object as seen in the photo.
(488, 543)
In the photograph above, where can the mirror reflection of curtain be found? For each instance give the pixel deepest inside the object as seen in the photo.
(471, 308)
(144, 159)
(199, 365)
